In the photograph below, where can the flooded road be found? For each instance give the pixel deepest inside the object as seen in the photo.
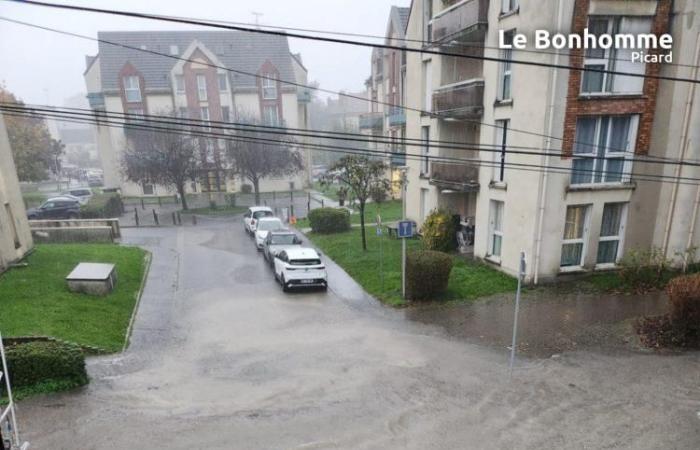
(551, 320)
(221, 358)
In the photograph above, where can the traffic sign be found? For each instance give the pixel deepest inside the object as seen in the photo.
(406, 229)
(379, 231)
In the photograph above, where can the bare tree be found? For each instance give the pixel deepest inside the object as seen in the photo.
(169, 158)
(364, 177)
(255, 154)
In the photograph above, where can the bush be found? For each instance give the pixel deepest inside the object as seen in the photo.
(37, 362)
(684, 302)
(439, 231)
(644, 269)
(246, 188)
(102, 206)
(427, 274)
(329, 220)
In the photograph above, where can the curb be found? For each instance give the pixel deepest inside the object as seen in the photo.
(129, 329)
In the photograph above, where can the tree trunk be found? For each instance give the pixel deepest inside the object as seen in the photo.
(362, 225)
(183, 199)
(256, 189)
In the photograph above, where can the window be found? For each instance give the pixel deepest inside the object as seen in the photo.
(611, 232)
(179, 84)
(226, 113)
(132, 91)
(148, 188)
(504, 85)
(202, 88)
(499, 153)
(575, 229)
(183, 112)
(496, 228)
(425, 150)
(270, 116)
(427, 86)
(269, 88)
(174, 50)
(209, 151)
(427, 21)
(13, 225)
(612, 59)
(508, 6)
(223, 86)
(204, 113)
(603, 149)
(135, 113)
(424, 210)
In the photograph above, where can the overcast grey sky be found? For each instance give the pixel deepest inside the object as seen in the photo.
(41, 66)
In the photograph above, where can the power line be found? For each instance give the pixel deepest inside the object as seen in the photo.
(319, 134)
(297, 84)
(347, 41)
(352, 150)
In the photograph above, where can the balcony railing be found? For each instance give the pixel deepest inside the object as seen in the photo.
(396, 116)
(463, 22)
(456, 177)
(463, 100)
(374, 121)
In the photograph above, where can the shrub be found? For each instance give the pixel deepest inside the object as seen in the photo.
(684, 302)
(378, 194)
(35, 362)
(329, 220)
(439, 231)
(102, 206)
(246, 188)
(427, 274)
(644, 269)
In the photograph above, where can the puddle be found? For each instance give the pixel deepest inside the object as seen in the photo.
(550, 321)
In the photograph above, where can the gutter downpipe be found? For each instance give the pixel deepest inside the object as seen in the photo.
(544, 177)
(681, 157)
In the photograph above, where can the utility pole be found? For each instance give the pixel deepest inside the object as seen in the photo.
(257, 18)
(521, 273)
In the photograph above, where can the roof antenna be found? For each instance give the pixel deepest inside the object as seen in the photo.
(257, 18)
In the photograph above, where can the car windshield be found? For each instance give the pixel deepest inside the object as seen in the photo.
(269, 225)
(282, 239)
(261, 214)
(305, 262)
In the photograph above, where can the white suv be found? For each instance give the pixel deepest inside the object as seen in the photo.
(250, 218)
(300, 267)
(264, 226)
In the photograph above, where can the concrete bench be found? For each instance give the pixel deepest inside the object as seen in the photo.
(92, 278)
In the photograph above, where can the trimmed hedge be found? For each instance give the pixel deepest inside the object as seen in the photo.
(684, 300)
(37, 362)
(329, 220)
(427, 274)
(102, 206)
(439, 232)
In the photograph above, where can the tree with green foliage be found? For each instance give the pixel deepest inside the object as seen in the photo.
(363, 177)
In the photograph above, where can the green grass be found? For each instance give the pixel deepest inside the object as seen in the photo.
(35, 300)
(468, 280)
(390, 212)
(328, 190)
(218, 211)
(33, 199)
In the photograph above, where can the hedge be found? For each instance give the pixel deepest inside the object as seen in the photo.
(439, 231)
(329, 220)
(102, 206)
(36, 362)
(427, 274)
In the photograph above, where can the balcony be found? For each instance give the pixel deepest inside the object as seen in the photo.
(398, 159)
(396, 117)
(463, 100)
(371, 121)
(464, 22)
(455, 177)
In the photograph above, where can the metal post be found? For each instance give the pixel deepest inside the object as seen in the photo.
(143, 206)
(174, 218)
(136, 216)
(14, 434)
(155, 217)
(179, 218)
(274, 195)
(159, 202)
(194, 219)
(381, 258)
(521, 272)
(403, 241)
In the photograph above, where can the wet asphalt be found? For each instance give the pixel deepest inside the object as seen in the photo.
(220, 358)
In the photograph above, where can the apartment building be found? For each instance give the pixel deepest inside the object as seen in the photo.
(15, 235)
(386, 118)
(184, 73)
(587, 195)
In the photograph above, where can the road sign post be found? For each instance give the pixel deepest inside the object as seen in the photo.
(521, 273)
(405, 231)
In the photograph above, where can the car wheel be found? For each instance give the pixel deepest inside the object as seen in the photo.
(284, 285)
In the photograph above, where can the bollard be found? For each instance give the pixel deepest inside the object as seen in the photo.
(274, 195)
(291, 210)
(194, 219)
(322, 203)
(136, 216)
(155, 217)
(291, 196)
(143, 206)
(159, 204)
(174, 219)
(179, 218)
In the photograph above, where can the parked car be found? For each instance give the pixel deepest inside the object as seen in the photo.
(298, 267)
(263, 227)
(250, 218)
(56, 208)
(276, 241)
(82, 194)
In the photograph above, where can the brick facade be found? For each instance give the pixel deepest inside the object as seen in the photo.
(643, 104)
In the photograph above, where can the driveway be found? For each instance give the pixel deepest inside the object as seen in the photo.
(220, 358)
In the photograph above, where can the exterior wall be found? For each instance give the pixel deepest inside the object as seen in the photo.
(15, 236)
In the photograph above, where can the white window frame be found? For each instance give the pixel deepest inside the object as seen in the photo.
(204, 113)
(583, 240)
(508, 6)
(132, 89)
(225, 111)
(425, 150)
(222, 77)
(604, 153)
(202, 88)
(427, 85)
(502, 127)
(268, 119)
(179, 84)
(269, 88)
(619, 237)
(505, 75)
(209, 151)
(496, 214)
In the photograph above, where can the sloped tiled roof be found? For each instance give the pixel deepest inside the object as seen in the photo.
(235, 49)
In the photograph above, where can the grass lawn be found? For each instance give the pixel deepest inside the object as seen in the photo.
(468, 280)
(390, 212)
(218, 211)
(330, 190)
(33, 199)
(35, 300)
